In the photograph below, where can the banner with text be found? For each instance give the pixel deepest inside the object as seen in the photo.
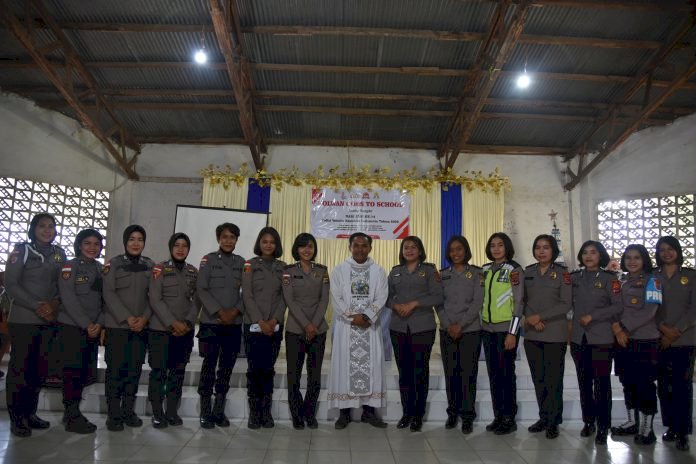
(382, 214)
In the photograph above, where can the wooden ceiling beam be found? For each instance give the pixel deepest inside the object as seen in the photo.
(636, 83)
(410, 70)
(63, 82)
(633, 126)
(226, 27)
(312, 31)
(30, 90)
(469, 148)
(493, 54)
(369, 112)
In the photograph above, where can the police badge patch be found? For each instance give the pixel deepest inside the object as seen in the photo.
(65, 272)
(286, 279)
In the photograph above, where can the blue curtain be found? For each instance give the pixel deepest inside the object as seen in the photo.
(259, 198)
(451, 220)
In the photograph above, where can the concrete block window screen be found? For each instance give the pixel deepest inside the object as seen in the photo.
(645, 220)
(74, 208)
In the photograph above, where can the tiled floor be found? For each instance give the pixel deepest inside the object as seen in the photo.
(358, 444)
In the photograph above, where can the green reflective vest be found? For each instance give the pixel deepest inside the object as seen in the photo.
(498, 303)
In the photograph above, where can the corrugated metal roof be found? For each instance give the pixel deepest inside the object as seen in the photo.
(367, 51)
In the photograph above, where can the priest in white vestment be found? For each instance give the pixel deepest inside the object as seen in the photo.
(359, 291)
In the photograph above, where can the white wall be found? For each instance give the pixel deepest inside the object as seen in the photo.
(657, 160)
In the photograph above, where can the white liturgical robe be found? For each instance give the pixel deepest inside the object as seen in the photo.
(357, 357)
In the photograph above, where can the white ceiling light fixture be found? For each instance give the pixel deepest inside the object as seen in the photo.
(201, 56)
(523, 81)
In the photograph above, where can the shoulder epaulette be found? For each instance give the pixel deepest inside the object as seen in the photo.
(429, 265)
(690, 269)
(290, 266)
(473, 266)
(514, 263)
(576, 271)
(609, 272)
(531, 265)
(320, 266)
(561, 265)
(394, 267)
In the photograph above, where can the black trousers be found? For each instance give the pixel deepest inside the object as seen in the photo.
(593, 366)
(412, 353)
(167, 356)
(501, 374)
(460, 361)
(219, 346)
(636, 366)
(79, 353)
(262, 353)
(27, 367)
(297, 347)
(124, 356)
(675, 387)
(547, 364)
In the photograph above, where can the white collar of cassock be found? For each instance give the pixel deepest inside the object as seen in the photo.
(365, 265)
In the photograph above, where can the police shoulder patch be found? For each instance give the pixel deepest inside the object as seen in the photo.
(157, 271)
(615, 287)
(566, 278)
(66, 271)
(247, 266)
(204, 262)
(106, 268)
(515, 278)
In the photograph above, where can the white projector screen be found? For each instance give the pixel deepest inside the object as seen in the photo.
(199, 223)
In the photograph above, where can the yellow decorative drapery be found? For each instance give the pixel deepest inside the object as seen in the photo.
(482, 213)
(234, 196)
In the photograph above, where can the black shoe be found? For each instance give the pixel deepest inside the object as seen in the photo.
(19, 428)
(297, 423)
(552, 432)
(417, 424)
(682, 442)
(266, 417)
(669, 435)
(601, 437)
(467, 426)
(372, 419)
(587, 430)
(114, 425)
(207, 423)
(132, 420)
(624, 431)
(173, 419)
(494, 425)
(35, 422)
(254, 421)
(159, 421)
(648, 439)
(206, 417)
(538, 426)
(343, 420)
(219, 416)
(404, 422)
(80, 425)
(507, 425)
(312, 422)
(451, 421)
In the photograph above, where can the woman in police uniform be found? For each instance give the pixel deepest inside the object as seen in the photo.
(126, 314)
(306, 292)
(596, 304)
(262, 283)
(547, 300)
(500, 317)
(677, 324)
(460, 332)
(414, 289)
(81, 320)
(170, 338)
(31, 280)
(637, 335)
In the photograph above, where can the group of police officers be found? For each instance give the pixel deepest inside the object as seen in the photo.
(645, 322)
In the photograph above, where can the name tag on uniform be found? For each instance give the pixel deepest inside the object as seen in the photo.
(447, 277)
(298, 277)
